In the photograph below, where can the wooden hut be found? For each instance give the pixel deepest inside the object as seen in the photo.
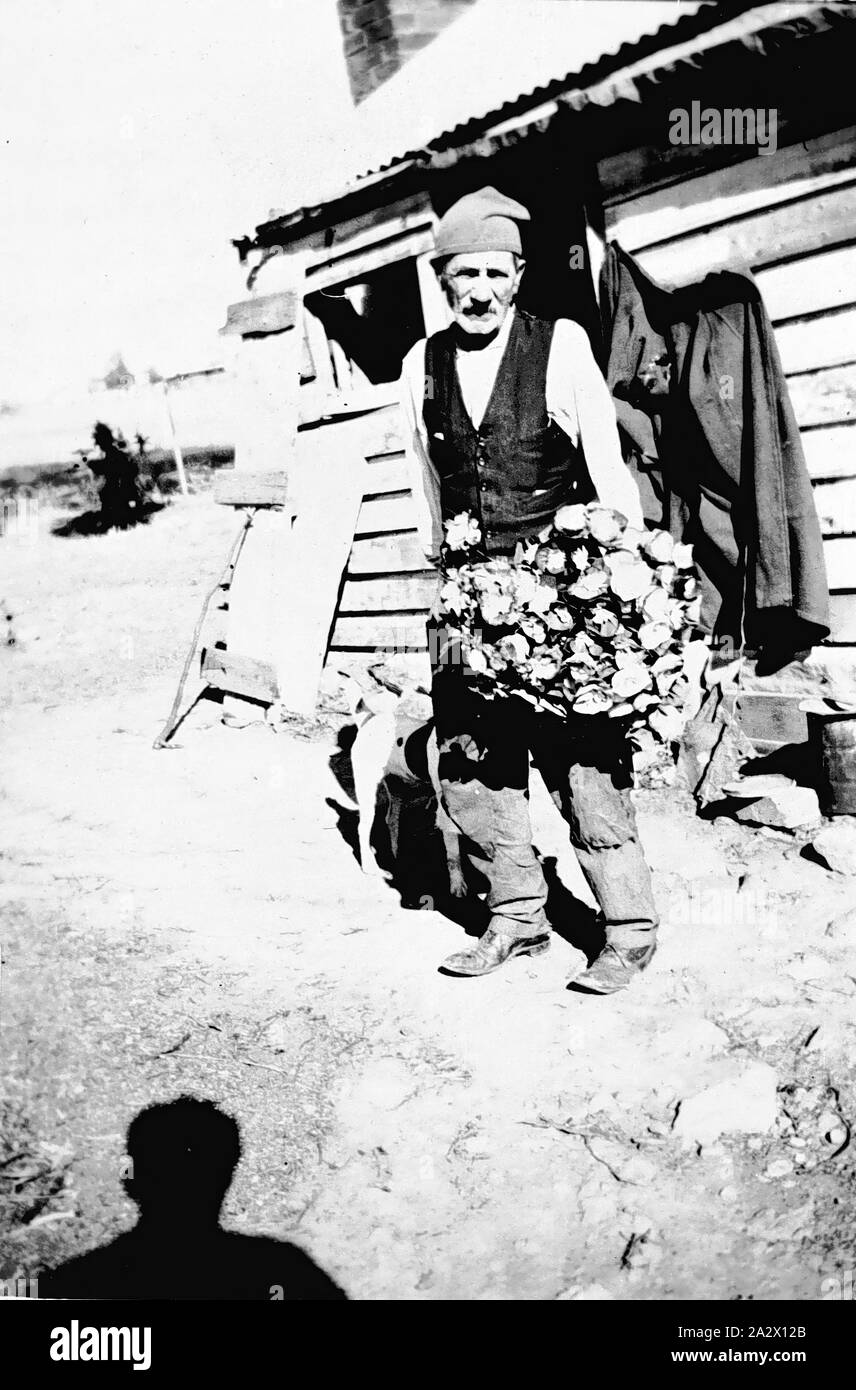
(588, 149)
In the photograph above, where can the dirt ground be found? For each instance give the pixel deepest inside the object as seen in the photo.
(195, 921)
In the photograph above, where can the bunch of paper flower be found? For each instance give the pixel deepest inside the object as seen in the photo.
(593, 617)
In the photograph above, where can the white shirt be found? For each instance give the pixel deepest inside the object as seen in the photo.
(578, 400)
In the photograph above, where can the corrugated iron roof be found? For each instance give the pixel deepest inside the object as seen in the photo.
(497, 54)
(494, 57)
(505, 62)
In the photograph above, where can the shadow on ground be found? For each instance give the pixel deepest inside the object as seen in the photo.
(92, 523)
(419, 874)
(181, 1160)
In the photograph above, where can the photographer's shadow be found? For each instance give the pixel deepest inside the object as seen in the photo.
(183, 1156)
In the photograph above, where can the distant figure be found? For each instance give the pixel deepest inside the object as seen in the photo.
(117, 477)
(183, 1156)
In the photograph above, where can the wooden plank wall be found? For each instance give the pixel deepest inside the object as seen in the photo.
(791, 218)
(389, 586)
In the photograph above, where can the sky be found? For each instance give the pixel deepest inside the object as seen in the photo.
(137, 137)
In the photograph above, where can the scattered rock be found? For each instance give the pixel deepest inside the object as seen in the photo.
(792, 1224)
(589, 1293)
(786, 808)
(741, 1101)
(779, 1168)
(809, 966)
(813, 1123)
(769, 1024)
(752, 788)
(338, 692)
(642, 1252)
(624, 1165)
(843, 929)
(786, 874)
(384, 1084)
(604, 1101)
(836, 845)
(695, 855)
(715, 1150)
(690, 1036)
(659, 1130)
(728, 1193)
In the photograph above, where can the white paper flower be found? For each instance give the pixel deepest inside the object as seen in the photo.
(565, 629)
(655, 605)
(514, 648)
(653, 635)
(551, 559)
(453, 598)
(633, 539)
(603, 622)
(558, 619)
(694, 612)
(660, 546)
(525, 552)
(591, 584)
(630, 681)
(495, 608)
(605, 524)
(667, 723)
(462, 532)
(534, 629)
(629, 577)
(621, 709)
(526, 586)
(571, 518)
(592, 699)
(582, 648)
(664, 681)
(541, 600)
(676, 615)
(543, 669)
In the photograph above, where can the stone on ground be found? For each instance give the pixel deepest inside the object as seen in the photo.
(836, 845)
(785, 808)
(842, 929)
(741, 1100)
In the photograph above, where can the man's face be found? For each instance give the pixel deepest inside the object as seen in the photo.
(480, 287)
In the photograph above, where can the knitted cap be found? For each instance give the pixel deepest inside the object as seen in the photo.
(482, 221)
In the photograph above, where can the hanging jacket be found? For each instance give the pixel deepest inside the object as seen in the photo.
(708, 428)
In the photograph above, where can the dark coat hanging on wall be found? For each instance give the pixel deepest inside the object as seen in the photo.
(708, 427)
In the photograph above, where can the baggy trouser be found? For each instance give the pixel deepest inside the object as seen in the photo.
(484, 761)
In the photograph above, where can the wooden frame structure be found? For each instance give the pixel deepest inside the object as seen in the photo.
(789, 215)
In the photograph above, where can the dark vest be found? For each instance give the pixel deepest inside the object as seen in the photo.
(519, 467)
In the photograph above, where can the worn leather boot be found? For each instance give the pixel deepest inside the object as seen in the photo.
(492, 951)
(615, 968)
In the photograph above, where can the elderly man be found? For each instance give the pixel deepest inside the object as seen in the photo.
(509, 419)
